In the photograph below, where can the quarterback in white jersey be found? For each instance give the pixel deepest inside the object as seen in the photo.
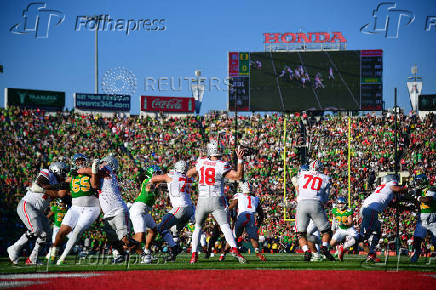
(31, 210)
(374, 204)
(211, 172)
(179, 192)
(313, 189)
(248, 205)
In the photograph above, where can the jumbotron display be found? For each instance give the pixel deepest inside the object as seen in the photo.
(348, 80)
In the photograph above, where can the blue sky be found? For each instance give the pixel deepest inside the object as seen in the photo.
(198, 35)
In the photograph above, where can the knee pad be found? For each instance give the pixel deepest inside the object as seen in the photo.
(42, 239)
(301, 235)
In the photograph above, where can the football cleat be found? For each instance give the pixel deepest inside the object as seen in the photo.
(307, 256)
(415, 256)
(261, 257)
(372, 258)
(194, 258)
(146, 259)
(237, 255)
(327, 254)
(118, 260)
(60, 262)
(341, 253)
(13, 255)
(316, 257)
(31, 263)
(222, 257)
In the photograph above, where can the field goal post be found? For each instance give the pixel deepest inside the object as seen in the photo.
(285, 203)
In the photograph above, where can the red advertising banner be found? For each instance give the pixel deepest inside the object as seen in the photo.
(167, 104)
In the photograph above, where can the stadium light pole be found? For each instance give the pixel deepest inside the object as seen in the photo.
(97, 19)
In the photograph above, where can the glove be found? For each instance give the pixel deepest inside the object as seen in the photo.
(95, 166)
(73, 171)
(36, 188)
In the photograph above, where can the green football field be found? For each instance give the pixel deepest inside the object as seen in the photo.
(275, 262)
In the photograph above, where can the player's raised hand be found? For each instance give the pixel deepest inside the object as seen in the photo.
(240, 152)
(95, 166)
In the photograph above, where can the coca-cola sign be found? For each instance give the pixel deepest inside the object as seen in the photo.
(167, 104)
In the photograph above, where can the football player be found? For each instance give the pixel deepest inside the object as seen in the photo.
(57, 211)
(179, 192)
(115, 211)
(426, 221)
(343, 227)
(374, 204)
(313, 189)
(84, 211)
(140, 214)
(211, 172)
(31, 210)
(247, 205)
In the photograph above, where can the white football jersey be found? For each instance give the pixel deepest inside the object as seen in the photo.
(41, 201)
(179, 189)
(247, 203)
(381, 197)
(110, 195)
(211, 176)
(313, 185)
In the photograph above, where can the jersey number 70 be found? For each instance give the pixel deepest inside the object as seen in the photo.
(315, 182)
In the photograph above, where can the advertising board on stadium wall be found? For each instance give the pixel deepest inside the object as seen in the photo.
(102, 102)
(33, 99)
(167, 104)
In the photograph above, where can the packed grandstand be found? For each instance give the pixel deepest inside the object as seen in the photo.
(31, 140)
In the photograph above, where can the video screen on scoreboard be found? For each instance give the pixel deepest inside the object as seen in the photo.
(298, 81)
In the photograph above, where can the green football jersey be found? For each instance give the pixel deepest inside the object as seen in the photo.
(147, 197)
(341, 217)
(80, 186)
(431, 206)
(58, 215)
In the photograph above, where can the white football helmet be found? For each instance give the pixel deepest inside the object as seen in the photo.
(213, 149)
(389, 177)
(316, 165)
(111, 161)
(244, 187)
(180, 166)
(59, 169)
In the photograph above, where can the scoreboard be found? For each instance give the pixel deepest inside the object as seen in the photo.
(239, 82)
(345, 80)
(371, 82)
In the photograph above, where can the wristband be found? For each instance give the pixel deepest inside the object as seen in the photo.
(240, 161)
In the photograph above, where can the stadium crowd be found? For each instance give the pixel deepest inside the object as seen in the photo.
(32, 140)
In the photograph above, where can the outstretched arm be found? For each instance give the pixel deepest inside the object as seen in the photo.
(239, 173)
(192, 172)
